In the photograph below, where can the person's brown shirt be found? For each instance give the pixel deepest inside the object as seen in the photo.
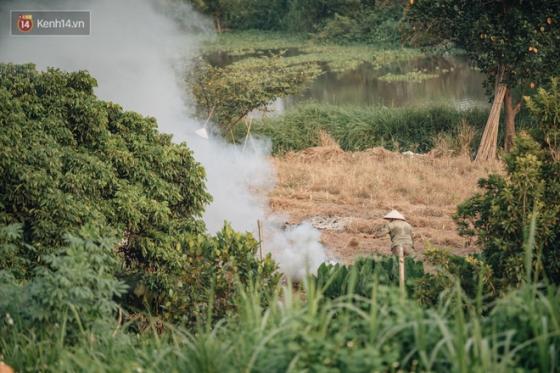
(400, 232)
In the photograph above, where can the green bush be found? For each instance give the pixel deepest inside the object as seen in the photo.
(68, 159)
(500, 216)
(337, 21)
(209, 278)
(471, 273)
(371, 24)
(76, 287)
(341, 29)
(228, 94)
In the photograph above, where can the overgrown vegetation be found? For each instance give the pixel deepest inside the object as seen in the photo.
(250, 45)
(228, 94)
(512, 42)
(339, 21)
(380, 330)
(500, 216)
(105, 264)
(428, 288)
(68, 160)
(358, 128)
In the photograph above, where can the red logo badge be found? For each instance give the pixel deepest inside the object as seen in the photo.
(25, 23)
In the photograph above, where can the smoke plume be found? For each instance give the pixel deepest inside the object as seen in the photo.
(139, 52)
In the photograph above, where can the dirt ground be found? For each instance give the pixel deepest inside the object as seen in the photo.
(345, 195)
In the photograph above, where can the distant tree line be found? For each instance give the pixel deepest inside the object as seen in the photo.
(335, 20)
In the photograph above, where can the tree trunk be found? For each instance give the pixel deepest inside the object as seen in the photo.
(488, 143)
(510, 112)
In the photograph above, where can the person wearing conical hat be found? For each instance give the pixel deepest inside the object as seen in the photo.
(399, 231)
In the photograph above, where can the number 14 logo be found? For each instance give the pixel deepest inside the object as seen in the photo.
(25, 22)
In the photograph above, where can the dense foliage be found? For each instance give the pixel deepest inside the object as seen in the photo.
(500, 216)
(513, 42)
(76, 284)
(352, 21)
(520, 36)
(428, 288)
(382, 331)
(473, 274)
(359, 278)
(68, 159)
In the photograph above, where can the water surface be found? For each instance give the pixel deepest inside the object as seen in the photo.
(455, 82)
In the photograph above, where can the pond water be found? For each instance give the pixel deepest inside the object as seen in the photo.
(452, 81)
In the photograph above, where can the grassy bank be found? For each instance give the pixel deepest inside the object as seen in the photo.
(251, 46)
(359, 128)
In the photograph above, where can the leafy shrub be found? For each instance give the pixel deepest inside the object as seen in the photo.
(68, 159)
(501, 214)
(473, 275)
(209, 277)
(76, 287)
(228, 94)
(12, 250)
(372, 24)
(343, 29)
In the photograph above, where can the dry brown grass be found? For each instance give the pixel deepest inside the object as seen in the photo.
(326, 181)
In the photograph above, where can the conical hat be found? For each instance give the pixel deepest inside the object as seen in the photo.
(394, 214)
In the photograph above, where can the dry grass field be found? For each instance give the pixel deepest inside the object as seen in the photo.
(345, 195)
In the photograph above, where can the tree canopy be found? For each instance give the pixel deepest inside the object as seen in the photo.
(516, 43)
(69, 160)
(342, 21)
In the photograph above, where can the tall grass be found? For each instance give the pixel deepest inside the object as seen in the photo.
(304, 330)
(309, 330)
(359, 128)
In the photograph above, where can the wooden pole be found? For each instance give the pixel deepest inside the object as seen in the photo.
(248, 125)
(259, 226)
(401, 269)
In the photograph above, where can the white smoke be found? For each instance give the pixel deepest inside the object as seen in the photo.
(139, 52)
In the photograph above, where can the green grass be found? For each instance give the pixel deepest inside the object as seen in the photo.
(359, 128)
(309, 332)
(327, 324)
